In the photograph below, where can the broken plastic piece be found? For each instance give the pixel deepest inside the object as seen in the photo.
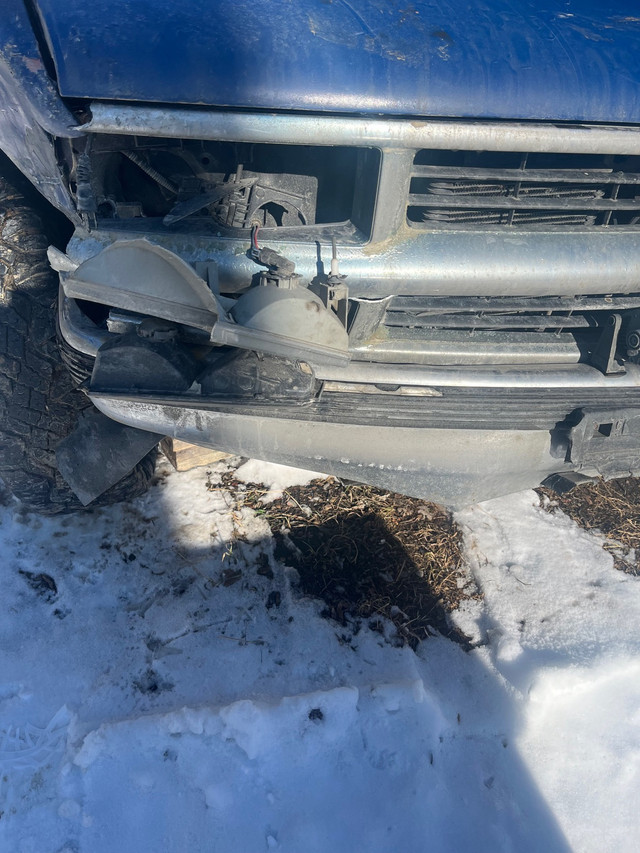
(257, 377)
(137, 275)
(99, 453)
(60, 262)
(135, 363)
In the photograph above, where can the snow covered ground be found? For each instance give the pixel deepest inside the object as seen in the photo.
(151, 701)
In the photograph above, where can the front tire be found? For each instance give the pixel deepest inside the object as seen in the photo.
(39, 401)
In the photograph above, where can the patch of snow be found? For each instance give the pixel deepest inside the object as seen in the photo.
(151, 701)
(276, 478)
(560, 625)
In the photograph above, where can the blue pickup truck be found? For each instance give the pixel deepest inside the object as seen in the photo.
(397, 242)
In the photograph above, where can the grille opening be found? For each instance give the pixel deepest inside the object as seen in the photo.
(418, 216)
(533, 159)
(515, 189)
(495, 329)
(294, 186)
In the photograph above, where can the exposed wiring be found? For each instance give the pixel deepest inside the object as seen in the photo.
(254, 238)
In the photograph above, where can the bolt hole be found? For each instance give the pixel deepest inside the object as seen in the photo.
(633, 340)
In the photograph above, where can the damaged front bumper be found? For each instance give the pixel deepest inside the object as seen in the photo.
(452, 467)
(454, 446)
(274, 377)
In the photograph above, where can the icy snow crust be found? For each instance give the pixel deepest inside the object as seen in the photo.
(147, 706)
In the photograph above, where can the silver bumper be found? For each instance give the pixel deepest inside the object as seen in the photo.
(455, 467)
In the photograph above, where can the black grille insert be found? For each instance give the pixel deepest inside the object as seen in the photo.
(506, 313)
(523, 190)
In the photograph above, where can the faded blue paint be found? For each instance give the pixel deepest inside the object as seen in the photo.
(531, 59)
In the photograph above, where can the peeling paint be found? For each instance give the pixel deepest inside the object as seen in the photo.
(588, 34)
(33, 64)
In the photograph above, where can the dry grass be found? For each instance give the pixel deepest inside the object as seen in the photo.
(370, 555)
(611, 508)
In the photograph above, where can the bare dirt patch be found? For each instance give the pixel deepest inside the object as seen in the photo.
(369, 555)
(610, 508)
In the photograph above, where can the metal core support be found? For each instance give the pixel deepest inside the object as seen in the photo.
(374, 132)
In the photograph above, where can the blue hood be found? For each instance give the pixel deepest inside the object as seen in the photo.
(532, 59)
